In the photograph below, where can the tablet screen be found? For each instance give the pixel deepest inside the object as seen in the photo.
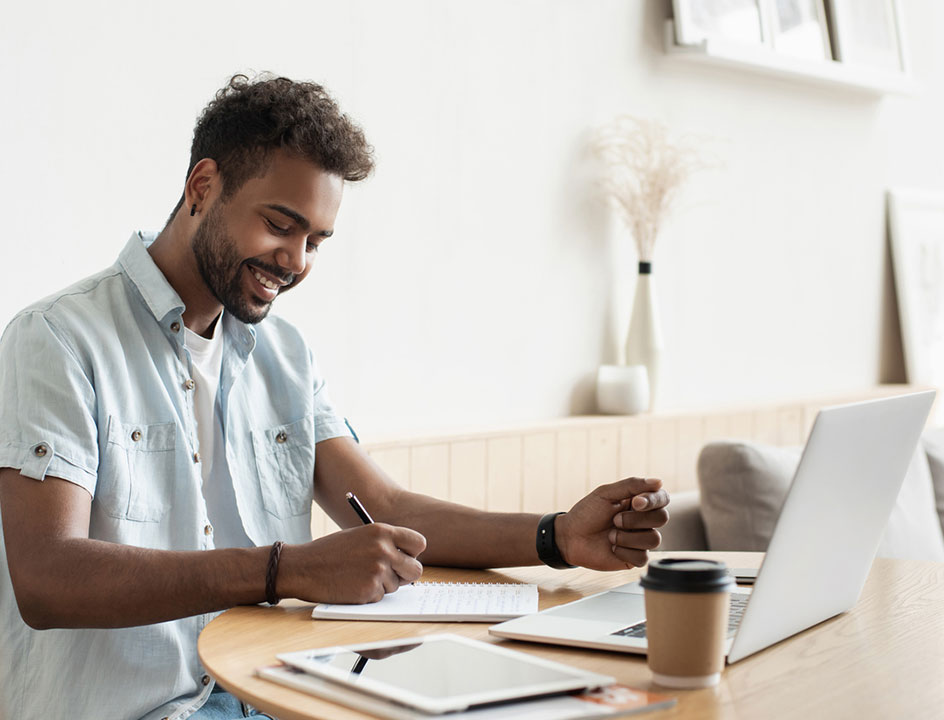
(442, 672)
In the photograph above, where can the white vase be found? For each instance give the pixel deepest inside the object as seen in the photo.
(622, 389)
(644, 341)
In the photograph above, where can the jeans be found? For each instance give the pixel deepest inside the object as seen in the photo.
(223, 706)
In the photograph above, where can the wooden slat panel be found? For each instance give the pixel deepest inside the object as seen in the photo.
(766, 427)
(548, 465)
(572, 468)
(538, 472)
(321, 524)
(791, 425)
(318, 520)
(395, 462)
(719, 427)
(742, 426)
(467, 473)
(633, 449)
(691, 438)
(728, 426)
(429, 469)
(809, 417)
(504, 474)
(663, 455)
(604, 457)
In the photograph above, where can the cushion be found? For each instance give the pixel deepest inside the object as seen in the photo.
(686, 529)
(743, 486)
(914, 530)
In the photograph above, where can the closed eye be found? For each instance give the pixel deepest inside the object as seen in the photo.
(277, 229)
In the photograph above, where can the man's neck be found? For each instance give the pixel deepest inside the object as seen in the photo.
(173, 256)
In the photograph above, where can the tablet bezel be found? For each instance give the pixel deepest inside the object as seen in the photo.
(579, 679)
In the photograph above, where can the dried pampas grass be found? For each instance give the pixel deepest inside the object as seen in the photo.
(644, 171)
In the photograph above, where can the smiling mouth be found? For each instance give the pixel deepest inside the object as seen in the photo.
(262, 288)
(263, 280)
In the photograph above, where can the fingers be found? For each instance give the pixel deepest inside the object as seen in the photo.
(632, 548)
(636, 520)
(628, 487)
(390, 575)
(634, 558)
(394, 550)
(390, 582)
(650, 500)
(408, 569)
(408, 541)
(635, 540)
(399, 566)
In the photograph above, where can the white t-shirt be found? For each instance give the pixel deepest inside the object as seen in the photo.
(207, 357)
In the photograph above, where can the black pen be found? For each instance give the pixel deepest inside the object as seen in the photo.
(359, 509)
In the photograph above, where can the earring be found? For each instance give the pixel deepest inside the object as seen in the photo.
(193, 210)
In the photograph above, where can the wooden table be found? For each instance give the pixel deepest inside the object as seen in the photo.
(884, 659)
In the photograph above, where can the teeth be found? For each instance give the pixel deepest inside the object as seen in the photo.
(265, 281)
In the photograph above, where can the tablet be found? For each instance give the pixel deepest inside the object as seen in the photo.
(442, 673)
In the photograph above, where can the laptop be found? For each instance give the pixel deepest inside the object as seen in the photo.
(819, 555)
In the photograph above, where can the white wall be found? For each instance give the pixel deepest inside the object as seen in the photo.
(475, 279)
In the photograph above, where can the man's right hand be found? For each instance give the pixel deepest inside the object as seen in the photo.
(359, 565)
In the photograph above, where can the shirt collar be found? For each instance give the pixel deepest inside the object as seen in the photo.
(137, 263)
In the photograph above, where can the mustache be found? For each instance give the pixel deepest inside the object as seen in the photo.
(287, 278)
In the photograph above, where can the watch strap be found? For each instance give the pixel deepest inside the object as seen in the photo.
(548, 552)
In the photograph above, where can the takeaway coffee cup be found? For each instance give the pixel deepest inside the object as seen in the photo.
(686, 620)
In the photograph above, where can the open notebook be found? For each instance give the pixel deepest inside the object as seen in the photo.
(433, 602)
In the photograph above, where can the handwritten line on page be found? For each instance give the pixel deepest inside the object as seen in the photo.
(431, 602)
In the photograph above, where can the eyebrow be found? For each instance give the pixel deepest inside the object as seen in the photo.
(299, 219)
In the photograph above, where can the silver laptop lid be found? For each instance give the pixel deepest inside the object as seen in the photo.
(833, 517)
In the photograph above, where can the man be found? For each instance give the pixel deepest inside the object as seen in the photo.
(162, 440)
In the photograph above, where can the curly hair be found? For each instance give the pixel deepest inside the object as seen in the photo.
(249, 118)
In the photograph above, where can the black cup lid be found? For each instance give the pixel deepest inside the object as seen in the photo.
(687, 575)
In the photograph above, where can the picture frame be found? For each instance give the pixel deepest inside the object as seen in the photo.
(738, 21)
(868, 33)
(916, 233)
(799, 28)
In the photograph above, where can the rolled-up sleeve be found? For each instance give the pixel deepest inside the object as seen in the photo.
(47, 418)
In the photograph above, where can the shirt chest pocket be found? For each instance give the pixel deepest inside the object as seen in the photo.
(285, 463)
(137, 474)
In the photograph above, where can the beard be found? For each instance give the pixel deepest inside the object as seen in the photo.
(220, 267)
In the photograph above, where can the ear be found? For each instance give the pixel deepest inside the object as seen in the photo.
(203, 184)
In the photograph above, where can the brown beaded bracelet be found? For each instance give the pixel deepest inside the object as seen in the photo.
(272, 573)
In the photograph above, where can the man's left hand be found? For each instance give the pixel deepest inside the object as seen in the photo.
(614, 527)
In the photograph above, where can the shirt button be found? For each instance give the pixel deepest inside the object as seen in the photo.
(207, 529)
(175, 326)
(205, 679)
(196, 457)
(40, 451)
(189, 385)
(281, 437)
(136, 435)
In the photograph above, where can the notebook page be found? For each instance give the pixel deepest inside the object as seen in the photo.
(443, 601)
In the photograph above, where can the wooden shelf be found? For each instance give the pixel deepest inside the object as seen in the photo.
(766, 61)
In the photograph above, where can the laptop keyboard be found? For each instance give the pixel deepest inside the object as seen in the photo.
(738, 603)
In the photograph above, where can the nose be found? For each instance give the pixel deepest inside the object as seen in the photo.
(292, 257)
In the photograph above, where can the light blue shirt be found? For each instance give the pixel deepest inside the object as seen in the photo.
(94, 389)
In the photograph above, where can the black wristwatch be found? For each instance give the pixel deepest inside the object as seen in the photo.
(548, 552)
